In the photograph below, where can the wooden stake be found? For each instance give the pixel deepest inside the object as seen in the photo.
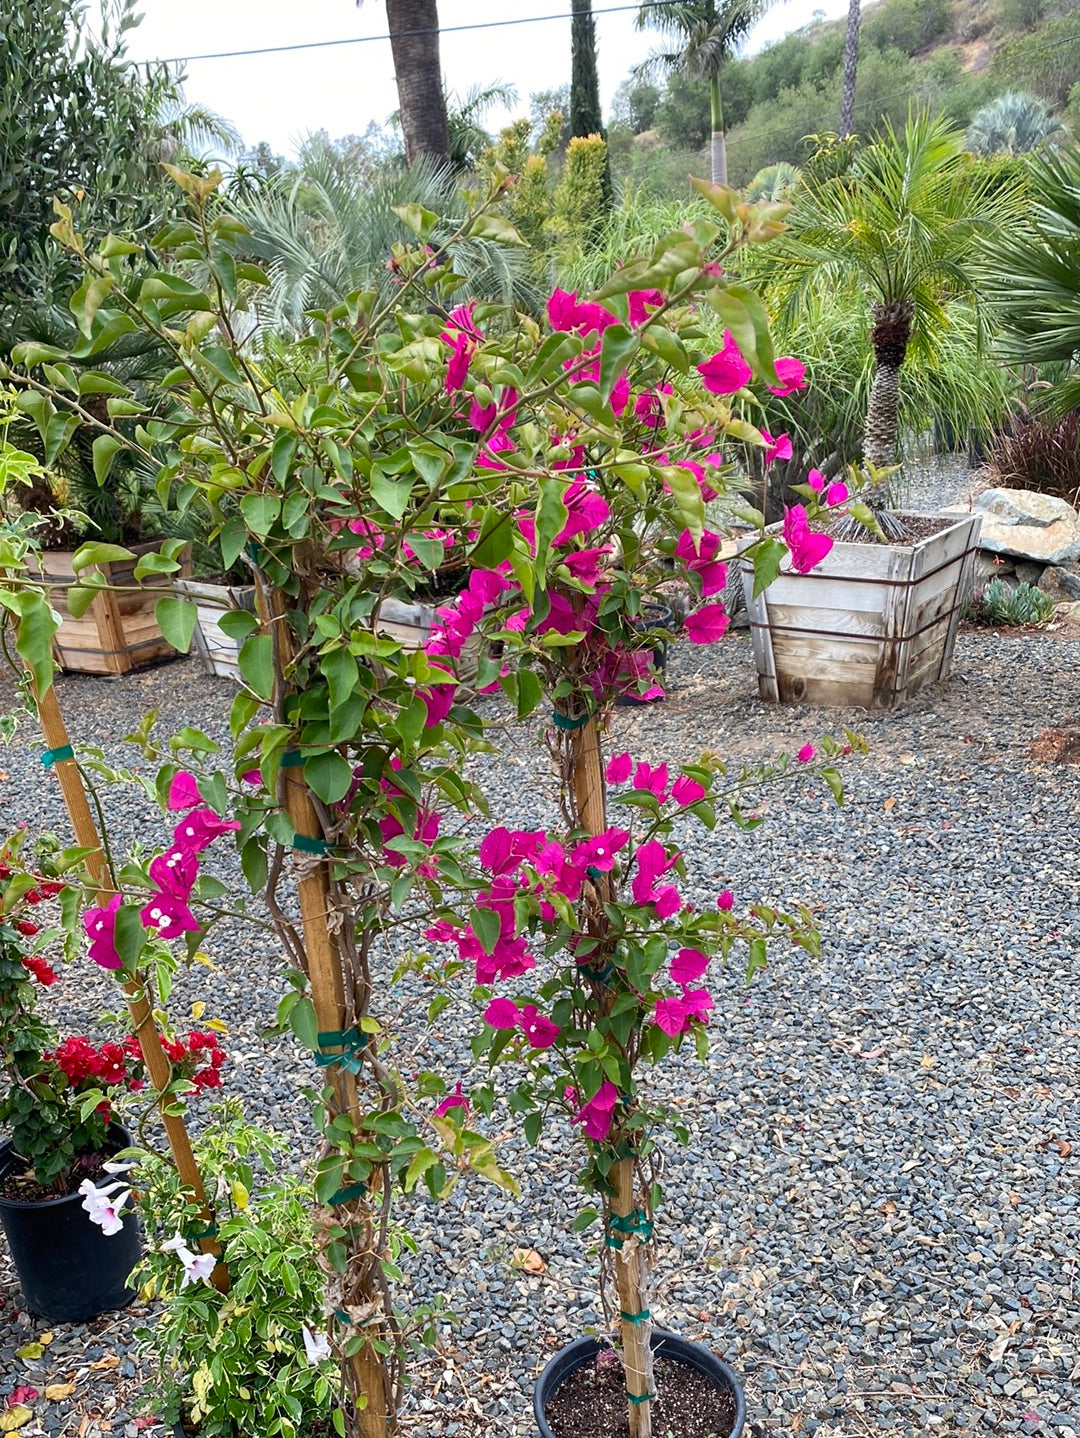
(142, 1018)
(631, 1267)
(367, 1373)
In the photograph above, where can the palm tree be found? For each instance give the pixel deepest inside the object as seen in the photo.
(851, 61)
(902, 227)
(467, 135)
(773, 183)
(324, 231)
(1031, 276)
(414, 44)
(705, 35)
(1013, 124)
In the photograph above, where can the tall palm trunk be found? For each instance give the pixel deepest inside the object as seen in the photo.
(889, 336)
(414, 42)
(719, 144)
(851, 58)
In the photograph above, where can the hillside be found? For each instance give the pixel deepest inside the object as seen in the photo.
(955, 54)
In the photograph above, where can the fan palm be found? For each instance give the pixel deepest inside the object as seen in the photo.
(1012, 124)
(902, 228)
(705, 34)
(1031, 275)
(326, 232)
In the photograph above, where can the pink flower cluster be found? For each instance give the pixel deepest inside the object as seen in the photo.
(525, 861)
(173, 873)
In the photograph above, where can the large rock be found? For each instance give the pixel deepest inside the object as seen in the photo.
(1060, 583)
(1028, 526)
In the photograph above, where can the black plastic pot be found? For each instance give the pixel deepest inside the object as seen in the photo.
(653, 617)
(664, 1345)
(70, 1271)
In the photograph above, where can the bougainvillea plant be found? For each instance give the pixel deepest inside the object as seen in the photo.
(59, 1100)
(565, 462)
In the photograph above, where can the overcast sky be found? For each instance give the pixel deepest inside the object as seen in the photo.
(282, 98)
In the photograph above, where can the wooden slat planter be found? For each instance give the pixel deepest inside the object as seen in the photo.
(869, 627)
(118, 632)
(218, 654)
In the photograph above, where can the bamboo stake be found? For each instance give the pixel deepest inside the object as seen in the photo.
(324, 972)
(631, 1266)
(142, 1018)
(328, 997)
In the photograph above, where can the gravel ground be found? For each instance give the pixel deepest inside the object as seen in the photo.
(877, 1218)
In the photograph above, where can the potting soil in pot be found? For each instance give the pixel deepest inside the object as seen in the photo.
(591, 1402)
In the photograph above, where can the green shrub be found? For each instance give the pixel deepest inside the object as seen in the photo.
(236, 1362)
(1046, 61)
(906, 25)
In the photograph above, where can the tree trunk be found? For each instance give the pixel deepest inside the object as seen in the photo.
(586, 117)
(719, 144)
(889, 336)
(414, 42)
(851, 57)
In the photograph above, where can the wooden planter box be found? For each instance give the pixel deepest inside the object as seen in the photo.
(869, 627)
(118, 632)
(217, 652)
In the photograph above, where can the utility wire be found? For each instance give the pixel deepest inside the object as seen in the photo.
(403, 34)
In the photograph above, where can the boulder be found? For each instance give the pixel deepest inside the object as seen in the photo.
(1029, 573)
(1068, 614)
(1028, 526)
(992, 566)
(1060, 583)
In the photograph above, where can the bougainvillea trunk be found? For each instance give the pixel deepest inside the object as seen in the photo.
(359, 1296)
(627, 1237)
(142, 1018)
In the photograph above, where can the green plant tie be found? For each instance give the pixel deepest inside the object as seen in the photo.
(291, 759)
(563, 721)
(621, 1226)
(642, 1317)
(346, 1195)
(640, 1397)
(56, 756)
(210, 1231)
(348, 1044)
(307, 845)
(342, 1316)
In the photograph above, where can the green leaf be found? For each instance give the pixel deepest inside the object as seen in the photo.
(552, 354)
(422, 222)
(551, 516)
(767, 558)
(238, 624)
(342, 675)
(129, 935)
(88, 554)
(305, 1025)
(38, 624)
(260, 512)
(30, 353)
(176, 620)
(530, 692)
(494, 227)
(391, 495)
(495, 541)
(686, 493)
(80, 598)
(619, 344)
(418, 1166)
(723, 199)
(487, 926)
(256, 664)
(866, 517)
(532, 1124)
(329, 776)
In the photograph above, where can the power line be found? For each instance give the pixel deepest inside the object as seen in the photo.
(403, 34)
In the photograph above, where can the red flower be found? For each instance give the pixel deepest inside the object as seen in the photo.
(40, 969)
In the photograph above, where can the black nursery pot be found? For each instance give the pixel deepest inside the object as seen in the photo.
(653, 617)
(69, 1269)
(664, 1345)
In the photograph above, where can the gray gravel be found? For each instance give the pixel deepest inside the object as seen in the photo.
(877, 1218)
